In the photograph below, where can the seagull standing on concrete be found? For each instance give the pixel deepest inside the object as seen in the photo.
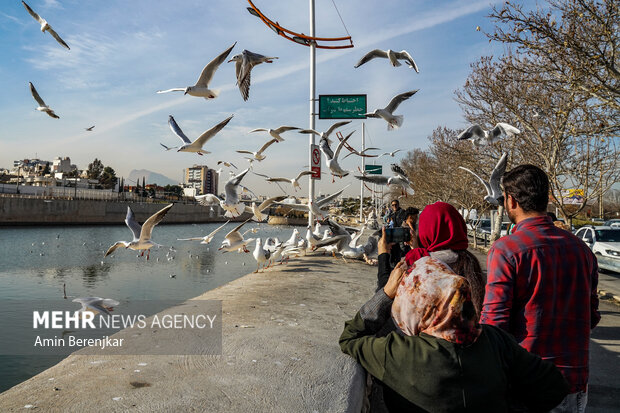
(260, 255)
(141, 234)
(42, 106)
(394, 121)
(244, 62)
(275, 133)
(196, 146)
(494, 190)
(480, 137)
(201, 88)
(45, 26)
(391, 55)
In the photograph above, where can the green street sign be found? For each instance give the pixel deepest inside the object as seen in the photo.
(373, 169)
(342, 106)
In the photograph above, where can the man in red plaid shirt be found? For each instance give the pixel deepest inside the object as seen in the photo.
(541, 284)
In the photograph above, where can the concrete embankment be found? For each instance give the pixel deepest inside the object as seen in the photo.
(280, 353)
(37, 211)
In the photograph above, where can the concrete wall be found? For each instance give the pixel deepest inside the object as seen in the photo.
(29, 211)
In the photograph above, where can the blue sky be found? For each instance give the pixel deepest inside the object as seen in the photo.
(122, 52)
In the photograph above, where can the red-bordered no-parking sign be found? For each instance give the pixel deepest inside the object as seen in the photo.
(315, 162)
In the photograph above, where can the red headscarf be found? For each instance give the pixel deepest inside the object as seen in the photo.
(441, 227)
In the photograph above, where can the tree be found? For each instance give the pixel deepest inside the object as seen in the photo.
(108, 178)
(173, 190)
(95, 169)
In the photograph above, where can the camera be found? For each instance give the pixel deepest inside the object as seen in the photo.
(399, 234)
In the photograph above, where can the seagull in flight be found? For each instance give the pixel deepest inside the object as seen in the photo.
(494, 190)
(332, 158)
(96, 305)
(201, 88)
(90, 129)
(394, 121)
(207, 238)
(45, 26)
(42, 106)
(141, 234)
(292, 181)
(390, 153)
(393, 57)
(319, 208)
(328, 132)
(231, 203)
(275, 133)
(244, 62)
(399, 178)
(169, 148)
(259, 154)
(234, 240)
(257, 211)
(480, 137)
(196, 146)
(227, 164)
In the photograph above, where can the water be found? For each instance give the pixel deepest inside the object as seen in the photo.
(35, 262)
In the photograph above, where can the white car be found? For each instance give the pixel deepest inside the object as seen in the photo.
(605, 244)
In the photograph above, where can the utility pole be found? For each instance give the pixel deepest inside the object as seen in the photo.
(312, 109)
(363, 171)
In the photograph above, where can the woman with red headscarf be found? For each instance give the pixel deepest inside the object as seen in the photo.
(440, 358)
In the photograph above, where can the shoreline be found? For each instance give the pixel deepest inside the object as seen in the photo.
(279, 352)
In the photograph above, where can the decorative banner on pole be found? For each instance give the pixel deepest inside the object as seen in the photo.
(342, 106)
(374, 169)
(315, 162)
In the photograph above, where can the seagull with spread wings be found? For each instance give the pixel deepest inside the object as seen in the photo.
(494, 190)
(45, 27)
(234, 240)
(399, 179)
(96, 305)
(390, 153)
(258, 155)
(327, 133)
(231, 203)
(293, 181)
(207, 238)
(332, 158)
(244, 62)
(42, 106)
(257, 211)
(196, 146)
(275, 133)
(141, 234)
(387, 113)
(319, 208)
(480, 137)
(391, 55)
(90, 129)
(201, 88)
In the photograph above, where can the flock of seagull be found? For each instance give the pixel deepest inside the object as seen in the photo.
(337, 238)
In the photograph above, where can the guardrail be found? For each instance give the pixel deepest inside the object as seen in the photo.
(484, 236)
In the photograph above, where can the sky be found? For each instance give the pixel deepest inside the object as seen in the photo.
(122, 52)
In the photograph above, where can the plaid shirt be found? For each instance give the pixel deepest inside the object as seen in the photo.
(541, 287)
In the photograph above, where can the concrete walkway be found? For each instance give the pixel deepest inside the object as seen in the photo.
(280, 354)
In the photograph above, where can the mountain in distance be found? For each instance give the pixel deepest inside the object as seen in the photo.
(150, 178)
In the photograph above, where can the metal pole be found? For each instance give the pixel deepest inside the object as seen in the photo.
(312, 108)
(362, 182)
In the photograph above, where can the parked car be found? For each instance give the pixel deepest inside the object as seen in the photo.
(605, 244)
(598, 220)
(612, 222)
(484, 225)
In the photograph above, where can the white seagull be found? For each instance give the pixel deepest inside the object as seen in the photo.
(399, 179)
(207, 199)
(42, 106)
(45, 26)
(325, 135)
(390, 153)
(319, 208)
(196, 146)
(90, 129)
(244, 62)
(259, 154)
(260, 255)
(332, 158)
(480, 137)
(201, 88)
(207, 238)
(234, 240)
(169, 148)
(227, 164)
(394, 121)
(96, 305)
(292, 181)
(141, 234)
(231, 204)
(257, 211)
(494, 190)
(275, 133)
(391, 55)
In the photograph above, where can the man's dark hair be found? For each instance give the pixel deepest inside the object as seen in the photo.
(395, 200)
(529, 185)
(411, 211)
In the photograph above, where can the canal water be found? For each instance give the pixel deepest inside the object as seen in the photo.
(35, 263)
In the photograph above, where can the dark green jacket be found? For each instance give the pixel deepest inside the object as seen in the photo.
(440, 376)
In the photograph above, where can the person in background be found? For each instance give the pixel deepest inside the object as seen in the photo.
(541, 284)
(396, 216)
(440, 359)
